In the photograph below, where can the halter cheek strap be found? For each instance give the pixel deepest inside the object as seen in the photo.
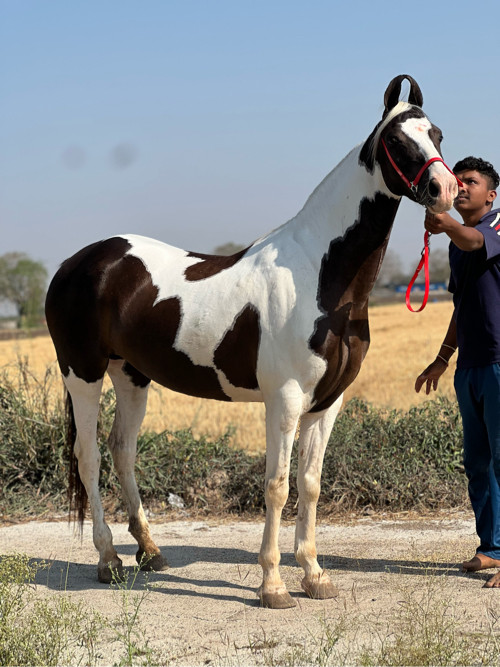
(413, 185)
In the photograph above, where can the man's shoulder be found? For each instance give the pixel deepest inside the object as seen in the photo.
(491, 219)
(489, 226)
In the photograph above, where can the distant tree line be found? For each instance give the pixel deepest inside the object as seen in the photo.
(23, 283)
(229, 248)
(392, 272)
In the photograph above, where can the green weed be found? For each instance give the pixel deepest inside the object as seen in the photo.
(41, 632)
(125, 627)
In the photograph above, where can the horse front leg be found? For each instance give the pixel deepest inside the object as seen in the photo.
(315, 429)
(282, 415)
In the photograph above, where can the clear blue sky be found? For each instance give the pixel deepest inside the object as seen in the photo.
(201, 122)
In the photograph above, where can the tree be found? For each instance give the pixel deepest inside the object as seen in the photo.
(228, 248)
(439, 266)
(23, 283)
(391, 270)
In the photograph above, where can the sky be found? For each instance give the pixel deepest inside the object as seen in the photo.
(199, 122)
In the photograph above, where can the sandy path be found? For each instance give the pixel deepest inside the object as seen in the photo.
(204, 607)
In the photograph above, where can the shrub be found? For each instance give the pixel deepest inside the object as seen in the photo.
(40, 632)
(382, 459)
(395, 460)
(32, 431)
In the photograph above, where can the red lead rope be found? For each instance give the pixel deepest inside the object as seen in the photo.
(424, 262)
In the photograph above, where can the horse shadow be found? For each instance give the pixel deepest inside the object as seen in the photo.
(73, 576)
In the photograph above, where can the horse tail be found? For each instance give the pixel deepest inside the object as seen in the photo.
(77, 494)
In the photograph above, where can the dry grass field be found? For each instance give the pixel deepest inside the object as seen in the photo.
(402, 344)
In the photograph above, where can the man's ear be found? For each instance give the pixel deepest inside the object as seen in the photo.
(492, 195)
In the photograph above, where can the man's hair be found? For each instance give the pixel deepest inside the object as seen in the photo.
(477, 164)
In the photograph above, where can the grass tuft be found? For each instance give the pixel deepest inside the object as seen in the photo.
(126, 626)
(429, 630)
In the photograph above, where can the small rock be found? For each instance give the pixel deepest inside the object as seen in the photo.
(175, 501)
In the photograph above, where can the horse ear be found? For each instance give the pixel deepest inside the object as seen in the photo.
(391, 97)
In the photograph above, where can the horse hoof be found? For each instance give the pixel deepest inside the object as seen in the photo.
(106, 574)
(152, 563)
(277, 600)
(321, 588)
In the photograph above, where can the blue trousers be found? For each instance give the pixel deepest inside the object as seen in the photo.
(478, 394)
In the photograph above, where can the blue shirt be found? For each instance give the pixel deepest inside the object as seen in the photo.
(475, 285)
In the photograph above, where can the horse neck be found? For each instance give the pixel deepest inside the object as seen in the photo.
(345, 224)
(334, 206)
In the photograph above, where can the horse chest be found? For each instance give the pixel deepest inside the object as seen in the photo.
(342, 338)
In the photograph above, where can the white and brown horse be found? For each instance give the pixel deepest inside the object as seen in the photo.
(284, 322)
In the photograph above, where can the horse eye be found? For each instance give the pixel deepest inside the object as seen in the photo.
(394, 140)
(438, 135)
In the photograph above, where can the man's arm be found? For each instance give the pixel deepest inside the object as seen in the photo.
(430, 377)
(465, 238)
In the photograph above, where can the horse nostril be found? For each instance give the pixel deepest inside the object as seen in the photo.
(434, 188)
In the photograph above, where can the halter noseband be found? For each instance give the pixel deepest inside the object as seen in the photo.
(413, 185)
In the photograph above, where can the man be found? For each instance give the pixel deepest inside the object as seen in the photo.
(475, 329)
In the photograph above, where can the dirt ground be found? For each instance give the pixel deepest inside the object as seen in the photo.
(203, 609)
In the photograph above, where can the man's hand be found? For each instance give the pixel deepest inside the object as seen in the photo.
(430, 377)
(465, 238)
(439, 223)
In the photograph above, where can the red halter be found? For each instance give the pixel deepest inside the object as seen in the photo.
(413, 185)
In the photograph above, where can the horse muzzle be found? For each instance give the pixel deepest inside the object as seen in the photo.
(440, 191)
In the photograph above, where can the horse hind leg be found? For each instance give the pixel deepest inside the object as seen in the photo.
(315, 431)
(131, 389)
(85, 403)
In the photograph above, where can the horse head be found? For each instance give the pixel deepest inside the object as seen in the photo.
(407, 147)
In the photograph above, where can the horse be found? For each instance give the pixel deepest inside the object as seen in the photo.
(284, 322)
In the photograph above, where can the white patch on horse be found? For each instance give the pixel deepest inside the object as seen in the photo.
(418, 130)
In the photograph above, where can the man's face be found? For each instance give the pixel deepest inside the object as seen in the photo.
(475, 192)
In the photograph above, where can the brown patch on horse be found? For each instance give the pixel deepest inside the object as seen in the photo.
(144, 332)
(348, 272)
(74, 312)
(211, 265)
(240, 369)
(138, 378)
(148, 345)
